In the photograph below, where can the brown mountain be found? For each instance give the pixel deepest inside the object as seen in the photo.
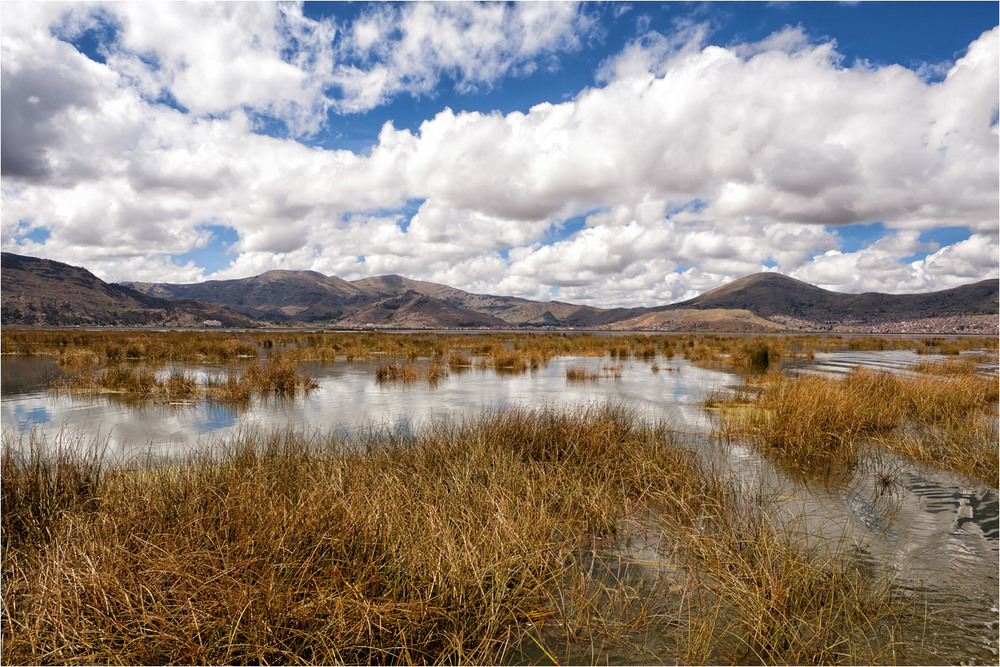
(278, 296)
(310, 297)
(780, 298)
(419, 311)
(513, 310)
(48, 293)
(760, 302)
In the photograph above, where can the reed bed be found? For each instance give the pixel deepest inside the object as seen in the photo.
(818, 423)
(506, 351)
(410, 372)
(456, 545)
(142, 382)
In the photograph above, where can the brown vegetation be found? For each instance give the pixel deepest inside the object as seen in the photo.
(458, 545)
(142, 382)
(816, 422)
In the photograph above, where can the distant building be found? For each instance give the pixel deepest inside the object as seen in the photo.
(212, 323)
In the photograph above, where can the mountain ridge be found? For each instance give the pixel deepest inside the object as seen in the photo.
(48, 293)
(762, 302)
(773, 294)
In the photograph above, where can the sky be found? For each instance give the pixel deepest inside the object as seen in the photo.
(609, 154)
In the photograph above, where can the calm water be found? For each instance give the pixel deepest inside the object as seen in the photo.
(934, 533)
(348, 396)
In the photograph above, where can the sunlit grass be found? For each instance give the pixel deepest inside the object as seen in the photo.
(142, 382)
(817, 423)
(457, 544)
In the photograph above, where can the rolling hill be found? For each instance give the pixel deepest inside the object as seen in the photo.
(43, 292)
(785, 300)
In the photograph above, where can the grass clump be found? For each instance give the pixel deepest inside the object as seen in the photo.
(293, 550)
(456, 545)
(410, 372)
(817, 423)
(777, 599)
(951, 368)
(579, 373)
(458, 360)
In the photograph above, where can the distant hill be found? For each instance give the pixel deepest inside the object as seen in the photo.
(43, 292)
(312, 298)
(785, 300)
(513, 310)
(276, 296)
(691, 319)
(419, 311)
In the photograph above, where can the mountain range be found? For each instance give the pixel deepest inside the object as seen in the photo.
(44, 292)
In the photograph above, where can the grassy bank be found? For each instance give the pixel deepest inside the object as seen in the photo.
(466, 543)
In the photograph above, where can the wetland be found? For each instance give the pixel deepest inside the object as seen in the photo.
(262, 497)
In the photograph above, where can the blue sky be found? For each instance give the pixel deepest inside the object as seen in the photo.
(601, 153)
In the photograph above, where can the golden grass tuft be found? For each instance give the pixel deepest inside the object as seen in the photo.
(579, 373)
(816, 423)
(410, 372)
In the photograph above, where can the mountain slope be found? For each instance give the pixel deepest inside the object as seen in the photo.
(414, 310)
(304, 296)
(44, 292)
(774, 296)
(513, 310)
(760, 302)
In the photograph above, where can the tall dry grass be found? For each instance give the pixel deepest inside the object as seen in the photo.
(142, 382)
(777, 597)
(817, 423)
(451, 546)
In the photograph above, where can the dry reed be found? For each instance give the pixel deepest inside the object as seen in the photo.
(451, 546)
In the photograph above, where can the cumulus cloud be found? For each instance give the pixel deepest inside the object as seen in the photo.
(211, 58)
(409, 47)
(883, 265)
(693, 164)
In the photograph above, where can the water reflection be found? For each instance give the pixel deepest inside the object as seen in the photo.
(348, 397)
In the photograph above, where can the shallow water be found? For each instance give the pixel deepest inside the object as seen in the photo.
(348, 397)
(934, 533)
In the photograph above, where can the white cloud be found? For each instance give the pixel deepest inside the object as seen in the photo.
(696, 164)
(883, 267)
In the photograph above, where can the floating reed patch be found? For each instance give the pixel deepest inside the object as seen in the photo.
(410, 372)
(458, 360)
(142, 382)
(578, 373)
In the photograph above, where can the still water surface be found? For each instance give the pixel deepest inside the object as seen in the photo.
(348, 397)
(933, 532)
